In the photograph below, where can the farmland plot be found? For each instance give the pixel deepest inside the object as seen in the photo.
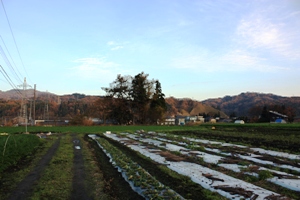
(258, 164)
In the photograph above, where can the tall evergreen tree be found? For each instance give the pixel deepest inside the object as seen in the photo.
(140, 97)
(158, 104)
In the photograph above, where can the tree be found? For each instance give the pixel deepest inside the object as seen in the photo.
(140, 95)
(158, 104)
(135, 99)
(264, 117)
(291, 113)
(118, 100)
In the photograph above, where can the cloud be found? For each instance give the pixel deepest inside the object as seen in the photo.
(230, 61)
(239, 60)
(116, 48)
(114, 45)
(97, 69)
(110, 43)
(258, 32)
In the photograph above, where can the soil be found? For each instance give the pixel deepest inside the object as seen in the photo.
(186, 188)
(291, 146)
(79, 191)
(24, 188)
(115, 186)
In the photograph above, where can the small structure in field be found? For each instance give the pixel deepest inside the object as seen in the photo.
(239, 122)
(213, 121)
(281, 121)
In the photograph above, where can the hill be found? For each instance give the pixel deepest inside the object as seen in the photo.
(187, 107)
(242, 103)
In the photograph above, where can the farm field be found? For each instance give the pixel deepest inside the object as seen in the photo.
(154, 162)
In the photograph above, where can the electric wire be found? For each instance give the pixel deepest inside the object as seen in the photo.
(14, 39)
(9, 64)
(11, 83)
(19, 79)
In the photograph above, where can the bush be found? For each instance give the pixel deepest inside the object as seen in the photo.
(264, 174)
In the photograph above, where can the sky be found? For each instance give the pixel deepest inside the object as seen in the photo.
(197, 49)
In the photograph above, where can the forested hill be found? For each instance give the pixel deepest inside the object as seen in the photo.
(244, 104)
(187, 107)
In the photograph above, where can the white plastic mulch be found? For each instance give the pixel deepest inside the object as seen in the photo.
(195, 171)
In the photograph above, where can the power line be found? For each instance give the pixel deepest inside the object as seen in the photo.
(14, 38)
(8, 79)
(11, 59)
(8, 63)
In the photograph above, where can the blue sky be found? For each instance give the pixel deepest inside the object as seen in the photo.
(197, 49)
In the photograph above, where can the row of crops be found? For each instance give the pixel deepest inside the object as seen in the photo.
(232, 171)
(15, 147)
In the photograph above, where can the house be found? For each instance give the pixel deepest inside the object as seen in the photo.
(180, 120)
(276, 115)
(168, 121)
(200, 118)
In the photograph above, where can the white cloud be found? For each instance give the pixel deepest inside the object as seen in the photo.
(110, 43)
(117, 48)
(95, 69)
(260, 33)
(231, 61)
(115, 45)
(239, 60)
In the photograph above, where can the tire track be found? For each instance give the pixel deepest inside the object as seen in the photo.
(24, 188)
(79, 191)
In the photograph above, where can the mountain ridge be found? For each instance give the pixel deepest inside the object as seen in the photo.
(223, 106)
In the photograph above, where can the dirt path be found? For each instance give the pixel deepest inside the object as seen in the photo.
(79, 191)
(24, 188)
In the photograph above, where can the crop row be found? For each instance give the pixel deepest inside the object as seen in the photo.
(14, 147)
(206, 175)
(139, 179)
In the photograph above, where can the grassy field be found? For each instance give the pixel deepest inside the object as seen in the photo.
(284, 137)
(101, 129)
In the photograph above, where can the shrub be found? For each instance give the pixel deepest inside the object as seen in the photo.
(264, 174)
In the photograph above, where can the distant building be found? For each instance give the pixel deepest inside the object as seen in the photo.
(239, 122)
(276, 115)
(180, 120)
(280, 121)
(169, 121)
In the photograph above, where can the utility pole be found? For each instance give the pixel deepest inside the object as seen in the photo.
(23, 104)
(46, 108)
(34, 97)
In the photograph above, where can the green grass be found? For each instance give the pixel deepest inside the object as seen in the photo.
(56, 180)
(16, 146)
(9, 180)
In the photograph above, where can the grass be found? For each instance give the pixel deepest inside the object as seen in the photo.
(14, 175)
(94, 182)
(56, 180)
(14, 147)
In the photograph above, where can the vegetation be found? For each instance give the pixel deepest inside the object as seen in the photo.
(134, 100)
(281, 137)
(56, 180)
(14, 147)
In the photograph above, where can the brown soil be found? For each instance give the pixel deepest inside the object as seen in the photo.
(186, 188)
(171, 157)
